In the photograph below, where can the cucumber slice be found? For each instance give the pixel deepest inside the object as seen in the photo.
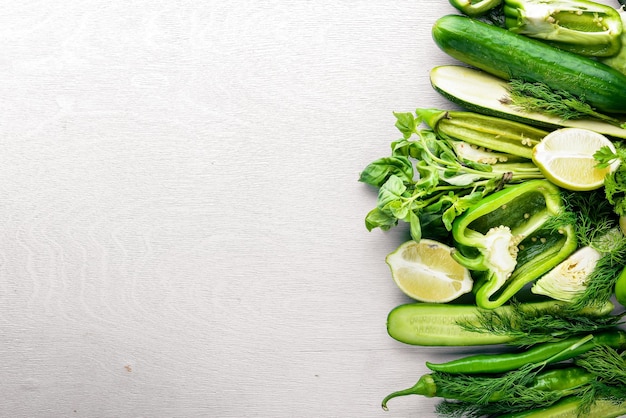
(481, 92)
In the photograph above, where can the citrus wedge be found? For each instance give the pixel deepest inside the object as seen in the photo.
(425, 271)
(565, 157)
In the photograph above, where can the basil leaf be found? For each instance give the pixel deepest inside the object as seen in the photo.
(406, 123)
(376, 218)
(390, 191)
(379, 171)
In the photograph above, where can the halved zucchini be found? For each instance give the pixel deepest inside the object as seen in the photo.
(481, 92)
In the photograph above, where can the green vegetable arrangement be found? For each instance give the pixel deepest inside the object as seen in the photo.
(428, 181)
(548, 264)
(535, 380)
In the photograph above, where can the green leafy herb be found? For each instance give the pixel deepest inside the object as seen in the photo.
(614, 182)
(481, 389)
(538, 97)
(379, 171)
(597, 226)
(607, 363)
(527, 326)
(427, 185)
(406, 123)
(593, 215)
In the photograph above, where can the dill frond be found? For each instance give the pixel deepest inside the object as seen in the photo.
(600, 283)
(528, 326)
(493, 396)
(597, 226)
(606, 363)
(538, 97)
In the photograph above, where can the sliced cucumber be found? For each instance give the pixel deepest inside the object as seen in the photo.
(481, 92)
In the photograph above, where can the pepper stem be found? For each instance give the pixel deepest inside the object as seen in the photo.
(425, 386)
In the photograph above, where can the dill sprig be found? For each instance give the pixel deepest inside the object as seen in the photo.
(606, 363)
(529, 326)
(597, 226)
(529, 399)
(596, 391)
(594, 216)
(497, 395)
(601, 282)
(538, 97)
(481, 389)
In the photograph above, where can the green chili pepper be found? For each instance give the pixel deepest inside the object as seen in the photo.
(563, 379)
(475, 8)
(510, 238)
(558, 382)
(580, 26)
(547, 353)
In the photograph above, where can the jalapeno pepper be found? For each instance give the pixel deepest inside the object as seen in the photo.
(508, 239)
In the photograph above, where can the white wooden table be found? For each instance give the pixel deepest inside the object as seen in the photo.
(182, 223)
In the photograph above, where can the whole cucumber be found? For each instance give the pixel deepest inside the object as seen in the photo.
(507, 55)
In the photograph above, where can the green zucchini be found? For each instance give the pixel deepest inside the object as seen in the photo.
(481, 92)
(508, 55)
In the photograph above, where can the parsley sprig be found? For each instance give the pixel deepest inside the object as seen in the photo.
(615, 181)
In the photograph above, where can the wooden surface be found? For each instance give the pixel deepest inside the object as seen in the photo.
(183, 228)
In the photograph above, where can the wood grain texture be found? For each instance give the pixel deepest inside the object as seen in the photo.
(183, 226)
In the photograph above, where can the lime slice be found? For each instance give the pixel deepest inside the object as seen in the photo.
(425, 271)
(565, 157)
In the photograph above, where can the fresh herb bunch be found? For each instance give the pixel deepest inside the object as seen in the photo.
(426, 184)
(528, 327)
(538, 97)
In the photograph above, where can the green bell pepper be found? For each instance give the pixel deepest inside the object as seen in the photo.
(511, 238)
(475, 7)
(581, 26)
(618, 61)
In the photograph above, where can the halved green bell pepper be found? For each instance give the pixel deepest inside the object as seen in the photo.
(584, 27)
(511, 238)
